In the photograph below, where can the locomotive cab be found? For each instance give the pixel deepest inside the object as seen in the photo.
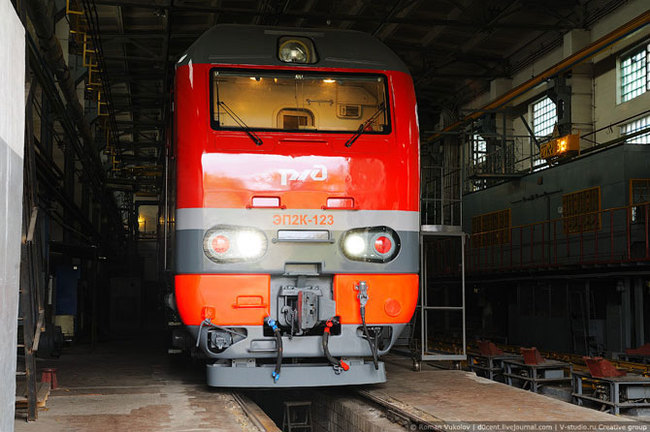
(297, 207)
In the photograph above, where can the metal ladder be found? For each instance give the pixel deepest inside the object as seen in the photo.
(31, 310)
(427, 304)
(30, 332)
(441, 216)
(297, 416)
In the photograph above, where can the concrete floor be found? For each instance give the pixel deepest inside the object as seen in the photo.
(135, 386)
(132, 386)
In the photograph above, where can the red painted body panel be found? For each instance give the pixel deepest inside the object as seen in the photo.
(391, 298)
(225, 169)
(245, 299)
(236, 299)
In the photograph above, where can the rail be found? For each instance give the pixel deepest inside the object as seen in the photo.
(614, 236)
(256, 415)
(402, 414)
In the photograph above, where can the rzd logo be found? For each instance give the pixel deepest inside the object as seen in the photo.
(317, 173)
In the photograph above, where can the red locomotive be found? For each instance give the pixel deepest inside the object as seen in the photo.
(297, 204)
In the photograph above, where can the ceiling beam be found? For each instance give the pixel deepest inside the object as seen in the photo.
(401, 9)
(400, 46)
(425, 22)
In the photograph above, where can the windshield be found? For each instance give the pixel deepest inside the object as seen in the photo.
(299, 102)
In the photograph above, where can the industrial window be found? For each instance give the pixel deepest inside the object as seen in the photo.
(639, 198)
(479, 149)
(637, 126)
(635, 79)
(544, 117)
(491, 228)
(579, 211)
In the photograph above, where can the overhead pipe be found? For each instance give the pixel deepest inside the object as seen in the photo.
(569, 62)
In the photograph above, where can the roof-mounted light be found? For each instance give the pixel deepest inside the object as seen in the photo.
(296, 50)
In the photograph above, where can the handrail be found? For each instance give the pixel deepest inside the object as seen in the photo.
(610, 209)
(607, 236)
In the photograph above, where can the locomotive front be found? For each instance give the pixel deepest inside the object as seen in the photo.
(296, 254)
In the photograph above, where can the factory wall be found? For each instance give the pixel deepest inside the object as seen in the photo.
(538, 196)
(564, 311)
(12, 121)
(595, 94)
(550, 313)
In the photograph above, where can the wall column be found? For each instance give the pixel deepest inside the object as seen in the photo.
(639, 325)
(626, 313)
(12, 145)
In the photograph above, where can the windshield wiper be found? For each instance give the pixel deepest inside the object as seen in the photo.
(256, 139)
(365, 124)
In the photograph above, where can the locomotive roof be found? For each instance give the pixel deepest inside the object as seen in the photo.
(257, 45)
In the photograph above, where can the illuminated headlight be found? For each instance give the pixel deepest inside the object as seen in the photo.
(374, 244)
(296, 50)
(251, 243)
(227, 243)
(354, 245)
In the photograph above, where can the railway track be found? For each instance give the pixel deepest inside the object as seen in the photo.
(410, 418)
(407, 416)
(256, 415)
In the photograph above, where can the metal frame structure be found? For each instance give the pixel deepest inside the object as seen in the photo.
(424, 306)
(615, 386)
(549, 244)
(490, 366)
(538, 375)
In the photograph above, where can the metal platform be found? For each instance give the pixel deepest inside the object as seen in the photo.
(636, 358)
(490, 367)
(534, 376)
(245, 375)
(616, 394)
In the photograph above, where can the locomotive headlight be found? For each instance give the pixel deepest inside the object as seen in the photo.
(293, 52)
(296, 50)
(251, 243)
(227, 244)
(354, 244)
(373, 244)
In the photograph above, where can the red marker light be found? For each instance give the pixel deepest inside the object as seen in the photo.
(383, 245)
(220, 244)
(392, 307)
(208, 312)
